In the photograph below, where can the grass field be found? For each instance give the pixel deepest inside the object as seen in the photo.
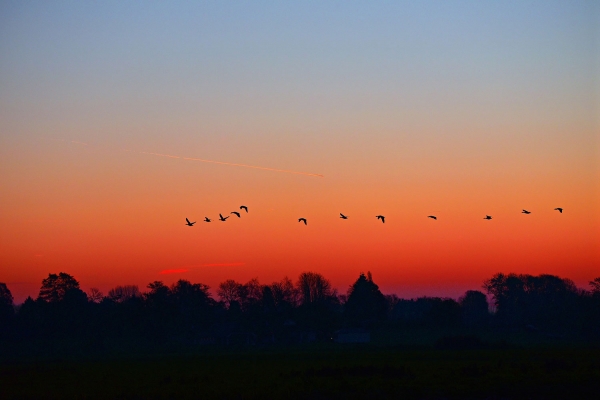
(317, 372)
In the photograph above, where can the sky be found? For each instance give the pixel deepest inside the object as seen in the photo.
(407, 109)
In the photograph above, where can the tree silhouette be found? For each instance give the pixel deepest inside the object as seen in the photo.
(267, 300)
(6, 304)
(187, 294)
(158, 293)
(230, 291)
(285, 294)
(444, 312)
(95, 295)
(120, 294)
(508, 293)
(192, 304)
(253, 291)
(544, 300)
(184, 313)
(313, 288)
(474, 307)
(595, 284)
(365, 301)
(55, 287)
(6, 298)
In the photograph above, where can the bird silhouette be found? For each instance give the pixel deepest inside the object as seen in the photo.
(244, 208)
(559, 209)
(487, 217)
(222, 218)
(206, 219)
(525, 212)
(381, 217)
(342, 216)
(188, 223)
(302, 220)
(432, 216)
(236, 213)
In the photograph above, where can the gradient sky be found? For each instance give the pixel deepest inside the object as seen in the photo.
(457, 109)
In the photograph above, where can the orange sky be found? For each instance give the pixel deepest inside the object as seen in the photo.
(110, 217)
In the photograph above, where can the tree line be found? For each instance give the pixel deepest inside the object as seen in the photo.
(186, 313)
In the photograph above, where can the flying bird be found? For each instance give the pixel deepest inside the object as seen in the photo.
(432, 216)
(222, 218)
(206, 219)
(487, 217)
(559, 209)
(188, 223)
(244, 208)
(525, 212)
(236, 213)
(302, 220)
(342, 216)
(381, 217)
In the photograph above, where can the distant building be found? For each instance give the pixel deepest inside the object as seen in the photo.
(352, 336)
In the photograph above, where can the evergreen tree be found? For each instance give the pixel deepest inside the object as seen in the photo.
(365, 302)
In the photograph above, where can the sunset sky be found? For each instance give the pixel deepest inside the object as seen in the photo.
(407, 109)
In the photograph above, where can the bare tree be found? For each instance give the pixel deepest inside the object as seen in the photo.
(313, 288)
(95, 295)
(595, 284)
(284, 292)
(230, 291)
(120, 294)
(253, 291)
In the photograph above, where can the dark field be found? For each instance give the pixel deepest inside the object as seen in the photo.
(323, 371)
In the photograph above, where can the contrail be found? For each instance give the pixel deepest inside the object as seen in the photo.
(160, 155)
(216, 162)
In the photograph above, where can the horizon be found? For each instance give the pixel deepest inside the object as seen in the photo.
(413, 292)
(120, 120)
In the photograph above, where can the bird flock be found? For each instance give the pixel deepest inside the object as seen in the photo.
(342, 216)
